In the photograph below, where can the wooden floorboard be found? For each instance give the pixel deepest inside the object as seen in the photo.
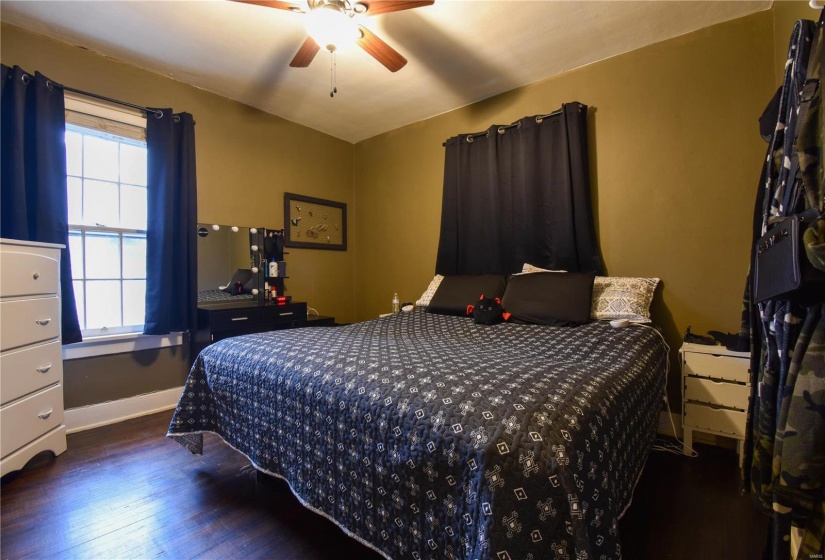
(127, 491)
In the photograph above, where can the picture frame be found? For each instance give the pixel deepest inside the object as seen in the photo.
(314, 223)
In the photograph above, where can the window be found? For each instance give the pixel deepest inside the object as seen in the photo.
(106, 183)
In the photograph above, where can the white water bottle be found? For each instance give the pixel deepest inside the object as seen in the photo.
(396, 305)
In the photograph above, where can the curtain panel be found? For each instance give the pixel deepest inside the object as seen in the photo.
(171, 249)
(34, 197)
(519, 193)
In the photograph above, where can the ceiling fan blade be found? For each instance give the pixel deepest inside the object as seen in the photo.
(377, 7)
(277, 4)
(305, 54)
(380, 50)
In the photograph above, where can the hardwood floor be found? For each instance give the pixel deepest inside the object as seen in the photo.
(126, 491)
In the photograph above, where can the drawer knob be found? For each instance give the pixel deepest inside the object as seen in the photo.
(44, 322)
(44, 369)
(36, 275)
(285, 314)
(240, 318)
(44, 415)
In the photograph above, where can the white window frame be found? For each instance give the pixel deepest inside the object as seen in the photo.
(114, 343)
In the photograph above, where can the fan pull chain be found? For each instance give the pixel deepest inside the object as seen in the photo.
(333, 77)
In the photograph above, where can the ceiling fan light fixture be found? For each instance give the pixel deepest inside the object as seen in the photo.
(329, 26)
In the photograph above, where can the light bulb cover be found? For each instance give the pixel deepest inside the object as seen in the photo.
(329, 26)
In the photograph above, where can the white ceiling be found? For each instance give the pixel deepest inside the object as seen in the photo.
(459, 51)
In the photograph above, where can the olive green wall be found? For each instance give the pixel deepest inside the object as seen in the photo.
(246, 160)
(675, 159)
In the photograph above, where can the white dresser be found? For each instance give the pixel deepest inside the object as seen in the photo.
(715, 392)
(31, 364)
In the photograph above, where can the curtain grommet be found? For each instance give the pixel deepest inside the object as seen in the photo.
(26, 79)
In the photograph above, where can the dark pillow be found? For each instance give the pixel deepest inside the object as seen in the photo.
(455, 293)
(245, 277)
(550, 298)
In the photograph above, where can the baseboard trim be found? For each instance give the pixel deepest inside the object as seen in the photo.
(96, 415)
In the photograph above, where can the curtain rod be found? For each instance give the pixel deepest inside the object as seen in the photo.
(158, 114)
(517, 124)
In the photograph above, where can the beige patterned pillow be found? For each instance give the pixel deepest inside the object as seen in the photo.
(529, 268)
(616, 297)
(428, 294)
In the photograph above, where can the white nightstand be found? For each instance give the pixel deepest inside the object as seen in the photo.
(715, 392)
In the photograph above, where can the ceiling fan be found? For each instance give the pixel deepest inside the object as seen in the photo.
(331, 23)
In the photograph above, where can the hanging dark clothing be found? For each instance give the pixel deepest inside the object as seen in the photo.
(34, 199)
(519, 194)
(785, 445)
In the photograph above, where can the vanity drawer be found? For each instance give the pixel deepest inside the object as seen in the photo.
(29, 418)
(720, 393)
(235, 319)
(25, 273)
(724, 421)
(27, 370)
(28, 321)
(718, 367)
(283, 313)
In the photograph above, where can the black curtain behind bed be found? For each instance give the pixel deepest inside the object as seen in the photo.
(519, 193)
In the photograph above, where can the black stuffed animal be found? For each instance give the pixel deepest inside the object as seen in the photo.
(487, 311)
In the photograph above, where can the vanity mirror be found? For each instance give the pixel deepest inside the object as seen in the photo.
(226, 270)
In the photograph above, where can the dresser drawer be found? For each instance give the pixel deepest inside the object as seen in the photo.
(723, 421)
(29, 418)
(27, 370)
(24, 274)
(718, 367)
(28, 321)
(719, 393)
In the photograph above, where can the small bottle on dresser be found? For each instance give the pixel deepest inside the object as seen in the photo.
(396, 304)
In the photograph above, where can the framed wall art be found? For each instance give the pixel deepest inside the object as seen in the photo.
(314, 223)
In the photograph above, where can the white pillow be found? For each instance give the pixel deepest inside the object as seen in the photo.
(428, 294)
(615, 297)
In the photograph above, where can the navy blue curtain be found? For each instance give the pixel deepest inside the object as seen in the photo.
(171, 235)
(33, 198)
(519, 194)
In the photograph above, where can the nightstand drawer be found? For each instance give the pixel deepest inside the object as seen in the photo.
(30, 418)
(27, 370)
(718, 393)
(723, 421)
(718, 367)
(24, 274)
(28, 321)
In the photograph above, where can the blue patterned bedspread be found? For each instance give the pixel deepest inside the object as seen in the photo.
(430, 437)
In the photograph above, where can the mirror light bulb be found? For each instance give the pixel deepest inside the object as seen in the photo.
(254, 270)
(216, 227)
(254, 248)
(253, 230)
(234, 229)
(254, 291)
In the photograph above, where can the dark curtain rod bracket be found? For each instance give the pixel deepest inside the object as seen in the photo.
(502, 129)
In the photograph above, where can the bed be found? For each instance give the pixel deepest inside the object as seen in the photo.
(428, 436)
